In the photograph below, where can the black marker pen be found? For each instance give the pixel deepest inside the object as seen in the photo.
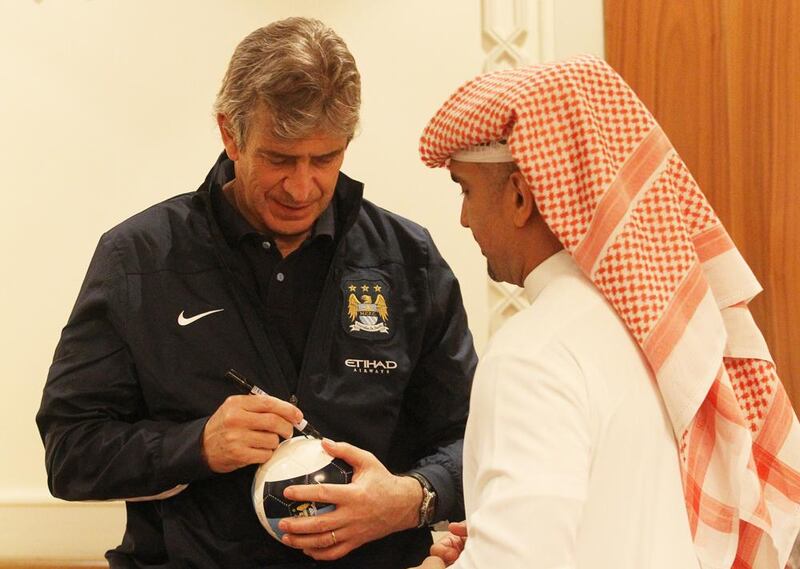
(303, 426)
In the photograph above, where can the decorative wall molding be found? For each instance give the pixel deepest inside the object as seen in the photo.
(530, 39)
(546, 28)
(21, 497)
(505, 300)
(504, 48)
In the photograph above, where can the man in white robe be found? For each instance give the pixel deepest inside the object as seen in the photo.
(631, 417)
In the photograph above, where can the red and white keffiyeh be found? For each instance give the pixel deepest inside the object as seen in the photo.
(616, 194)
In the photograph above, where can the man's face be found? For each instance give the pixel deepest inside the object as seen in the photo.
(282, 186)
(483, 212)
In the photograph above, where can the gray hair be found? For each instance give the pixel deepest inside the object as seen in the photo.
(301, 71)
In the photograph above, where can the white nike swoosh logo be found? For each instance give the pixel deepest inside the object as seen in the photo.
(183, 321)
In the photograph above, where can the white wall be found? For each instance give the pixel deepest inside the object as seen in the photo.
(106, 109)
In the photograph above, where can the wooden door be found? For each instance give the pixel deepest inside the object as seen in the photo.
(723, 79)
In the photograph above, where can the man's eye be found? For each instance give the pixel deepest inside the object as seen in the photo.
(275, 160)
(323, 160)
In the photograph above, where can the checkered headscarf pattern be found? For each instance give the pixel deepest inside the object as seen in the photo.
(613, 190)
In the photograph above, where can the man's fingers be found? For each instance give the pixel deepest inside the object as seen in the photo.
(256, 456)
(432, 563)
(440, 549)
(268, 422)
(269, 404)
(448, 543)
(301, 525)
(325, 493)
(448, 548)
(329, 553)
(458, 528)
(352, 455)
(245, 430)
(446, 554)
(258, 440)
(321, 540)
(326, 546)
(239, 421)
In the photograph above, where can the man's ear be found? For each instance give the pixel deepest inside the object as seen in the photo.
(231, 148)
(524, 204)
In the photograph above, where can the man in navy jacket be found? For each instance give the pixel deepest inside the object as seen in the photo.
(277, 267)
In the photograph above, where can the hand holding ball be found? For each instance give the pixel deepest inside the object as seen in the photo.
(298, 460)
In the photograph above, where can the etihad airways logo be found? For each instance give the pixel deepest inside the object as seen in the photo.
(371, 366)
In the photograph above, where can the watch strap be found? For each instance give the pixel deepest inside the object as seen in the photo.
(427, 507)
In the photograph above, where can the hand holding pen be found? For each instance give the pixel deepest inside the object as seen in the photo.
(237, 378)
(246, 430)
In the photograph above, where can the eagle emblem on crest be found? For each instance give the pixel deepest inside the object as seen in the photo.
(367, 309)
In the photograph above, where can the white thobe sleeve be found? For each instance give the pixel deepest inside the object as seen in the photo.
(530, 438)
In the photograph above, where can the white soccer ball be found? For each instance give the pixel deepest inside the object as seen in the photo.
(298, 460)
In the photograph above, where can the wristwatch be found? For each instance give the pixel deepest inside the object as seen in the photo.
(427, 508)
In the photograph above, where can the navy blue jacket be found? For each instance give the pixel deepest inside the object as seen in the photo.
(129, 390)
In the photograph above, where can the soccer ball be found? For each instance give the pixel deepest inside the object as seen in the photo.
(298, 460)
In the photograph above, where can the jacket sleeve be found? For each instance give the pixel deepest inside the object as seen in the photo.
(441, 383)
(99, 442)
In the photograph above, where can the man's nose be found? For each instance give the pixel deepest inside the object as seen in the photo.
(300, 183)
(464, 218)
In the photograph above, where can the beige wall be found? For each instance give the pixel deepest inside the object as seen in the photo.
(106, 110)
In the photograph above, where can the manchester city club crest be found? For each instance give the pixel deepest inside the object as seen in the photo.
(366, 308)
